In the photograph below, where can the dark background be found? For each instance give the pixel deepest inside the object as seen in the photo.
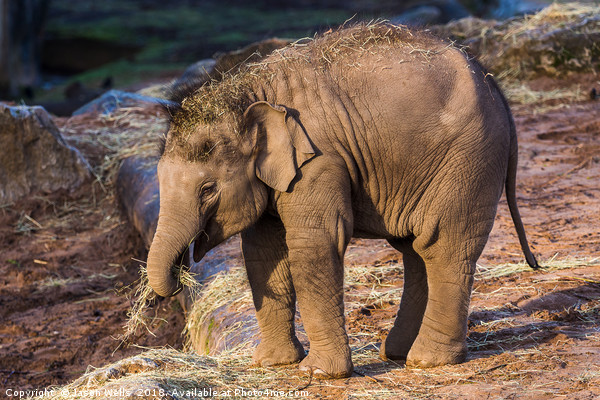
(52, 49)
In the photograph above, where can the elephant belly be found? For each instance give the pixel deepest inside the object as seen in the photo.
(371, 223)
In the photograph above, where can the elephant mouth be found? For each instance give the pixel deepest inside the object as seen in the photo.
(192, 254)
(201, 243)
(199, 247)
(190, 257)
(174, 252)
(183, 264)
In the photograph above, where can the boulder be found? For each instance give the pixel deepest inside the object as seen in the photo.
(34, 157)
(502, 9)
(114, 99)
(423, 15)
(254, 52)
(197, 72)
(76, 95)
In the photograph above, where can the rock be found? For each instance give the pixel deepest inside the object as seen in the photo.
(76, 96)
(34, 155)
(114, 99)
(432, 12)
(464, 29)
(452, 10)
(198, 72)
(502, 9)
(423, 15)
(252, 53)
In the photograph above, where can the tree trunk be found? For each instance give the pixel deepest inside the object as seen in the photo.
(21, 27)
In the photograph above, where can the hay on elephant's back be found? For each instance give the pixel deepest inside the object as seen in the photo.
(233, 92)
(559, 39)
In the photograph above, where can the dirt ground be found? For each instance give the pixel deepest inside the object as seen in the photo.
(67, 263)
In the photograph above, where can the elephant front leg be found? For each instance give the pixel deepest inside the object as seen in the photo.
(266, 258)
(318, 221)
(318, 276)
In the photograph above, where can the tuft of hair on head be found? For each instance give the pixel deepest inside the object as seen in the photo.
(176, 94)
(202, 152)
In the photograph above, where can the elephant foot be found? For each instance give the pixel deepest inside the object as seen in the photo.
(269, 354)
(433, 356)
(395, 346)
(327, 366)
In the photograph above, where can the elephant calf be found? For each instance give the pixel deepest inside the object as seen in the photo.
(372, 131)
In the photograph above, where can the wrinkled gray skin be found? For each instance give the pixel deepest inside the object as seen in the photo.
(386, 143)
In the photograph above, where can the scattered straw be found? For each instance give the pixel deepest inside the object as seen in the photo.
(553, 264)
(172, 371)
(144, 295)
(521, 93)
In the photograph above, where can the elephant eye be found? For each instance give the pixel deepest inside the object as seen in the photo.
(208, 189)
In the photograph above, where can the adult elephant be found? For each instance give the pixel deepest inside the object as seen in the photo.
(372, 131)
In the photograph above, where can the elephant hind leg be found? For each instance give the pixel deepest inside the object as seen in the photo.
(442, 335)
(450, 263)
(412, 305)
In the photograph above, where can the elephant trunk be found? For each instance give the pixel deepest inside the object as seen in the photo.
(171, 239)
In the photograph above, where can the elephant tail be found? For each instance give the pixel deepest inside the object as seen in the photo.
(511, 198)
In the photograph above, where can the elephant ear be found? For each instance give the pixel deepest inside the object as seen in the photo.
(281, 142)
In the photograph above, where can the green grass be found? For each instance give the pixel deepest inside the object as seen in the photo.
(173, 36)
(202, 27)
(126, 72)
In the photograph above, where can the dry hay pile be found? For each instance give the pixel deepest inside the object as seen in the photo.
(170, 374)
(561, 38)
(106, 140)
